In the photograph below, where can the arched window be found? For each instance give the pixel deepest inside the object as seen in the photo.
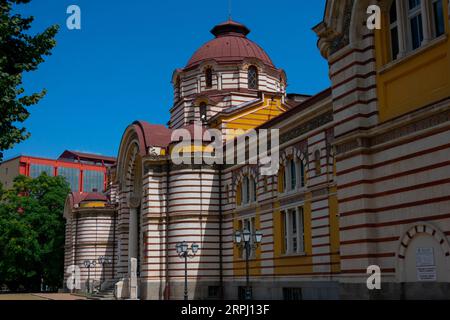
(208, 78)
(293, 171)
(203, 112)
(247, 190)
(252, 77)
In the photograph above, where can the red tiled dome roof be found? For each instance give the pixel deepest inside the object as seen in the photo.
(230, 45)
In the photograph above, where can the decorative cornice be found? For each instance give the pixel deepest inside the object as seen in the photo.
(393, 134)
(307, 127)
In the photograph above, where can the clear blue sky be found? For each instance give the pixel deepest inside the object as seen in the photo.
(118, 68)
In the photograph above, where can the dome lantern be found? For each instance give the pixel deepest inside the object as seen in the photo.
(230, 27)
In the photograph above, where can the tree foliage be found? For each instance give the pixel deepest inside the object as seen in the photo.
(19, 52)
(32, 232)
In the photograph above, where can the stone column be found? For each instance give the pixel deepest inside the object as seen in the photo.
(133, 239)
(219, 81)
(133, 279)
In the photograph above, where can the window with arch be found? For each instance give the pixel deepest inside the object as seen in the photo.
(208, 78)
(413, 23)
(252, 76)
(203, 109)
(246, 195)
(292, 176)
(247, 190)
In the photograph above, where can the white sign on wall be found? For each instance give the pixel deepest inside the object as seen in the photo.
(425, 264)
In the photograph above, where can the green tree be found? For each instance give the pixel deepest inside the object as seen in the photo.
(1, 191)
(32, 232)
(19, 52)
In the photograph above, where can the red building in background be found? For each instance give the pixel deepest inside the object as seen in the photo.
(84, 172)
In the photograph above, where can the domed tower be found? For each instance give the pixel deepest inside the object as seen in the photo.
(228, 71)
(229, 83)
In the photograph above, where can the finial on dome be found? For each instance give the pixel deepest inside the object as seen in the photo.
(230, 27)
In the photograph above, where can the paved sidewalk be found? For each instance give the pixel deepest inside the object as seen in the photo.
(41, 296)
(59, 296)
(19, 296)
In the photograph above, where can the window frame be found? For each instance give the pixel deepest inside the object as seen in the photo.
(293, 183)
(36, 170)
(427, 29)
(253, 78)
(248, 189)
(72, 176)
(203, 110)
(294, 176)
(415, 13)
(394, 25)
(289, 215)
(208, 78)
(434, 17)
(94, 179)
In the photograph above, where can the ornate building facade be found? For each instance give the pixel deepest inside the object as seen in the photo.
(363, 176)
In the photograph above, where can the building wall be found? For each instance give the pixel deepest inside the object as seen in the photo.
(271, 270)
(391, 137)
(89, 235)
(23, 166)
(400, 84)
(8, 171)
(377, 182)
(229, 88)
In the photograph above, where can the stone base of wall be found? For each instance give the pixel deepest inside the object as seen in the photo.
(199, 290)
(310, 290)
(396, 291)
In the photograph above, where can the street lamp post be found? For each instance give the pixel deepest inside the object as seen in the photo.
(104, 260)
(183, 252)
(89, 264)
(243, 240)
